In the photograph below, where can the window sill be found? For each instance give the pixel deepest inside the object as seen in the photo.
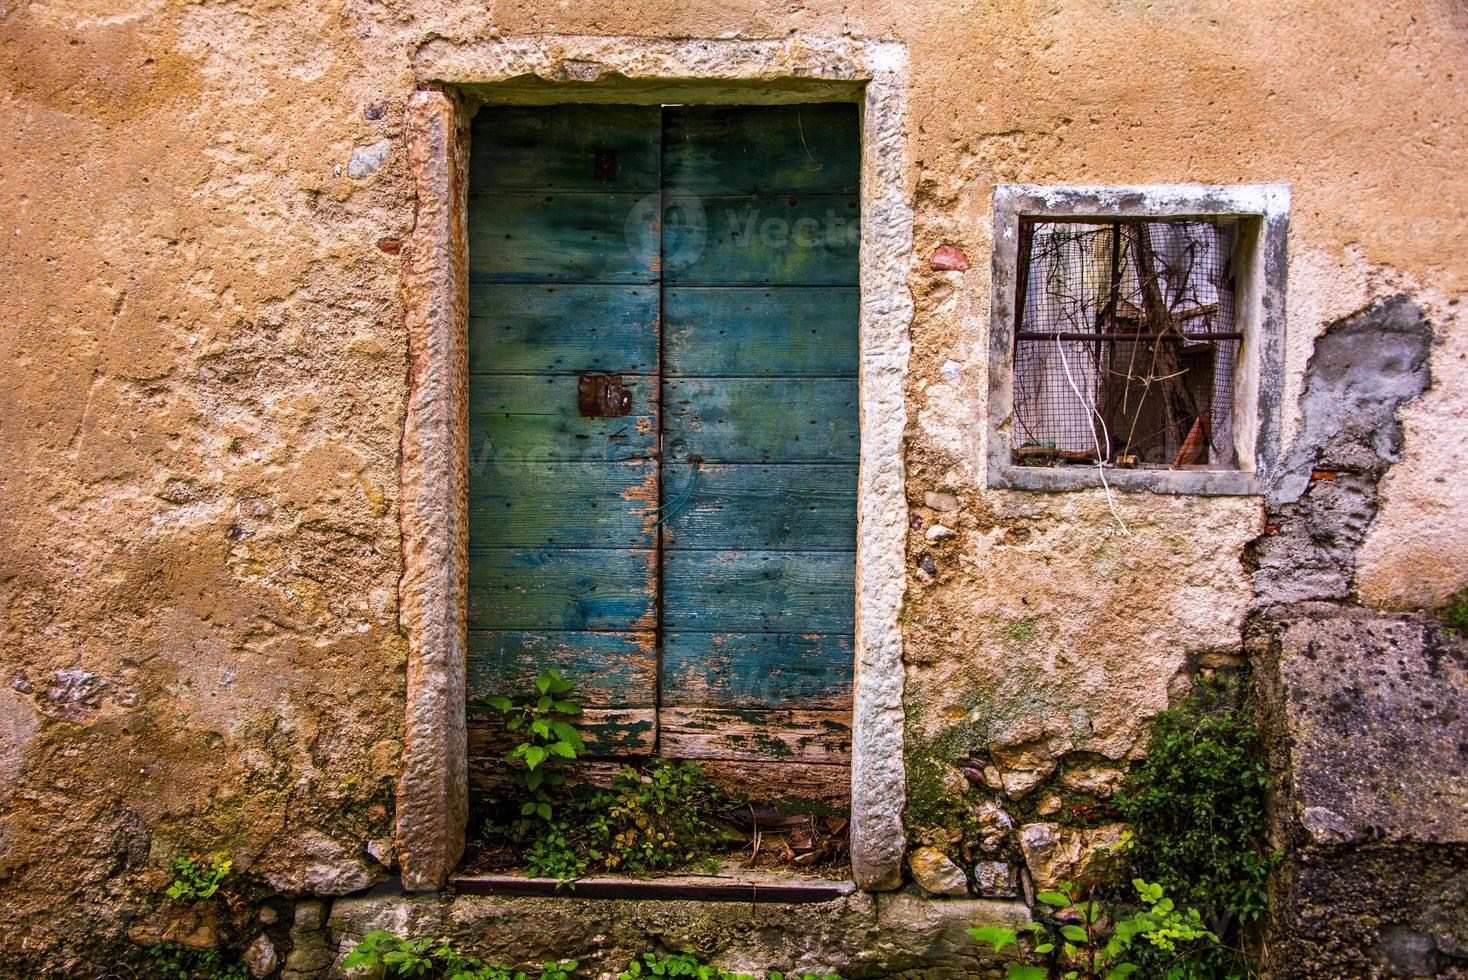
(1048, 479)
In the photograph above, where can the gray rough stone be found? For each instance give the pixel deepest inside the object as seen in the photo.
(322, 866)
(1371, 708)
(938, 532)
(996, 879)
(382, 852)
(260, 957)
(1363, 713)
(994, 825)
(310, 915)
(1019, 782)
(861, 935)
(1324, 497)
(935, 873)
(1097, 780)
(945, 502)
(1362, 710)
(1054, 854)
(310, 957)
(367, 160)
(1371, 911)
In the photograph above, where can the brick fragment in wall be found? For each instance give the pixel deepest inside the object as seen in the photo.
(946, 258)
(996, 879)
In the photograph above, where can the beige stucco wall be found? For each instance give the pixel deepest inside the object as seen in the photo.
(203, 398)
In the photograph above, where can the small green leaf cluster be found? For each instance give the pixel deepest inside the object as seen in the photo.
(437, 958)
(659, 818)
(194, 880)
(174, 961)
(547, 740)
(655, 820)
(556, 852)
(1075, 942)
(1454, 612)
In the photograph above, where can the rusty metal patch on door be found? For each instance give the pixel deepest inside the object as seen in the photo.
(601, 396)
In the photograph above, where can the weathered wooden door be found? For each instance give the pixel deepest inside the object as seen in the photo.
(663, 429)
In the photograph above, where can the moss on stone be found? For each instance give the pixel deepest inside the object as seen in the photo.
(1023, 631)
(1455, 611)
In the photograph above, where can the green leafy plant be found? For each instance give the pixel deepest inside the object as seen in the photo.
(1073, 937)
(553, 853)
(655, 820)
(174, 961)
(437, 958)
(194, 880)
(658, 818)
(547, 741)
(1454, 612)
(1196, 809)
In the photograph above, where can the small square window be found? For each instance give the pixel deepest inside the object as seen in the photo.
(1136, 332)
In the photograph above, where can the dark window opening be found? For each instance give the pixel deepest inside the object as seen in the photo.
(1126, 343)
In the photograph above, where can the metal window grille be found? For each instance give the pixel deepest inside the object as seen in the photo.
(1126, 344)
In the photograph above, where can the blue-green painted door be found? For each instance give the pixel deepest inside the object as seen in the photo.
(689, 560)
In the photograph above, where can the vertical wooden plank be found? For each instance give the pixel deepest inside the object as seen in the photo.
(760, 432)
(564, 283)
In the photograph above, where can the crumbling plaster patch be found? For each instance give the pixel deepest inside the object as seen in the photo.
(1415, 529)
(1360, 708)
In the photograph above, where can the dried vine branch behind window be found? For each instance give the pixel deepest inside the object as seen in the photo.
(1142, 314)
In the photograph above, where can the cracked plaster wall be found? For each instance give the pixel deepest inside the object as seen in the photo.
(204, 206)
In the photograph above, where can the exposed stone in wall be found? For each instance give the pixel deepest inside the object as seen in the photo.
(1366, 724)
(1362, 709)
(1325, 497)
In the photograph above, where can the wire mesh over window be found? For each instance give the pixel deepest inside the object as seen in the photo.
(1126, 344)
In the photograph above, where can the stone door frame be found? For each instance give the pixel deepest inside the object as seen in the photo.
(432, 796)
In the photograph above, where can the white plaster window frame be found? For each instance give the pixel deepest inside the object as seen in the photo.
(432, 798)
(1261, 261)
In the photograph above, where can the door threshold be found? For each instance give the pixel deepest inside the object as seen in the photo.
(734, 885)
